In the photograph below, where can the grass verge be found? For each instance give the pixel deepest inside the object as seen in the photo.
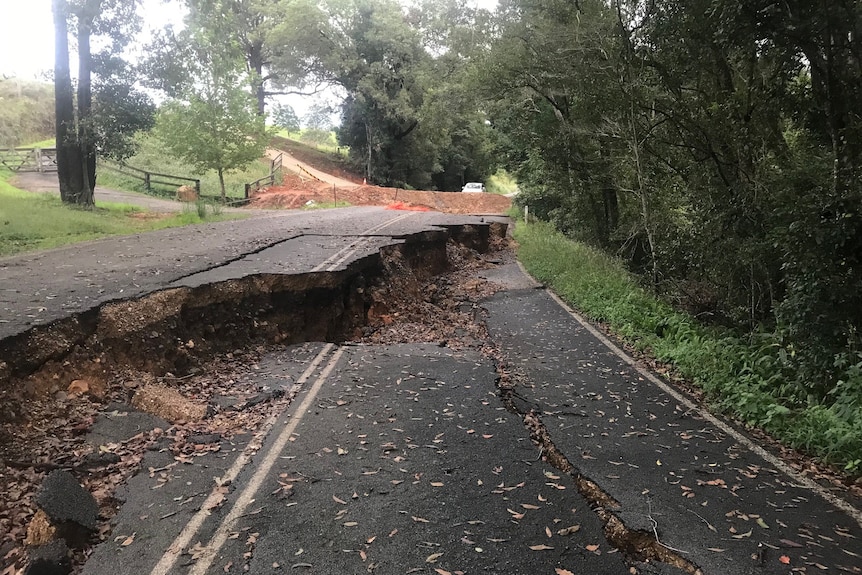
(748, 377)
(31, 222)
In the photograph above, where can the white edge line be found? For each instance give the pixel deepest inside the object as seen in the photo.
(830, 497)
(248, 493)
(191, 528)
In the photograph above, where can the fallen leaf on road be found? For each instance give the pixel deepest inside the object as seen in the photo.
(741, 535)
(592, 547)
(370, 540)
(569, 530)
(784, 559)
(541, 547)
(128, 540)
(227, 566)
(548, 532)
(337, 500)
(762, 523)
(716, 549)
(393, 532)
(433, 557)
(559, 571)
(419, 519)
(529, 506)
(443, 572)
(790, 543)
(437, 484)
(351, 524)
(515, 514)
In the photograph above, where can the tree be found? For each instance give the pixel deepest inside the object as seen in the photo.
(285, 118)
(215, 127)
(77, 127)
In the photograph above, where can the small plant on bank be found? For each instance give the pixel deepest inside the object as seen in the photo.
(201, 208)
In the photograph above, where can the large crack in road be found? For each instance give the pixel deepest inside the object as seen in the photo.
(428, 436)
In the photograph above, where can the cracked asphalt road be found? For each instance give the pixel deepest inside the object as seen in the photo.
(404, 458)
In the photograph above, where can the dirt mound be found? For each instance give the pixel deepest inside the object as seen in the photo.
(296, 192)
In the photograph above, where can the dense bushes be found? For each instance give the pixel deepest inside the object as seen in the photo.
(713, 146)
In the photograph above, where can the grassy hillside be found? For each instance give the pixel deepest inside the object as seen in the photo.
(152, 157)
(26, 112)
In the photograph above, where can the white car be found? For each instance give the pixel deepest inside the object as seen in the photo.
(475, 187)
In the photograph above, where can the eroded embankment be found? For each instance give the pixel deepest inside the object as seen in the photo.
(178, 330)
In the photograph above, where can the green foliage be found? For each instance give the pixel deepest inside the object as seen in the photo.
(501, 183)
(753, 377)
(215, 129)
(709, 144)
(410, 117)
(285, 118)
(318, 137)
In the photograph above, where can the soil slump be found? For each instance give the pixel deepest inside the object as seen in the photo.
(177, 330)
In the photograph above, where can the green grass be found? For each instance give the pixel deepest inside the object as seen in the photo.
(327, 205)
(330, 146)
(501, 183)
(30, 222)
(47, 143)
(748, 377)
(152, 157)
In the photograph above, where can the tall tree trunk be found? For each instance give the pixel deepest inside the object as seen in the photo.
(255, 63)
(85, 104)
(69, 161)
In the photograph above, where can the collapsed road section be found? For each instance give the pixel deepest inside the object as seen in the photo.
(360, 411)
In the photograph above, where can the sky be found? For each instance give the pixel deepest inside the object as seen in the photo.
(27, 33)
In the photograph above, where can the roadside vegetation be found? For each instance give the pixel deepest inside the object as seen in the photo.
(30, 222)
(749, 376)
(502, 182)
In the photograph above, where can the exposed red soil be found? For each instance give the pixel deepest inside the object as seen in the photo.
(296, 192)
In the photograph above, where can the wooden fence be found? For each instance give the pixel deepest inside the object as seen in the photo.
(151, 179)
(275, 167)
(29, 159)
